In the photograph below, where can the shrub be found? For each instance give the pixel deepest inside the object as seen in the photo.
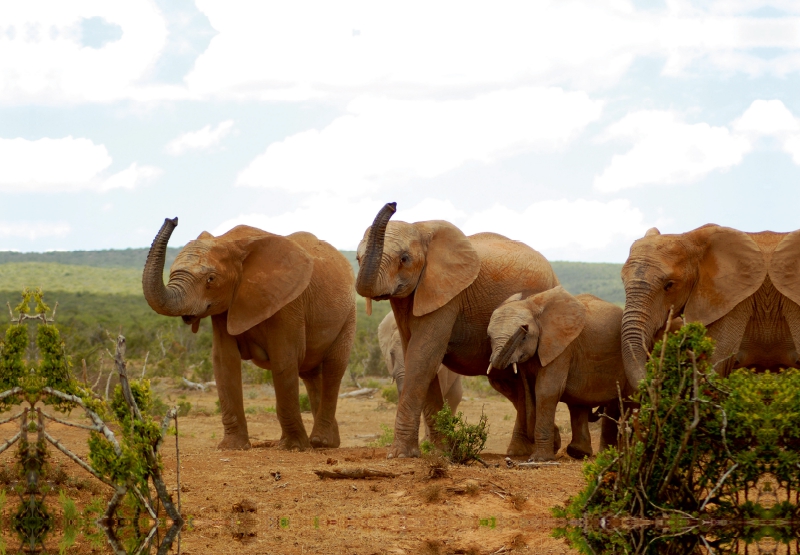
(461, 442)
(390, 394)
(305, 403)
(385, 439)
(184, 407)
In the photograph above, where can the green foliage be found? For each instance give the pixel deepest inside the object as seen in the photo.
(385, 439)
(600, 279)
(305, 403)
(461, 442)
(478, 385)
(184, 407)
(12, 361)
(390, 394)
(700, 443)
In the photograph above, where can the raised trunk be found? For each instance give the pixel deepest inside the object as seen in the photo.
(164, 300)
(503, 359)
(371, 262)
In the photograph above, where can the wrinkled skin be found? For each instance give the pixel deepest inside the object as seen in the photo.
(392, 349)
(284, 303)
(744, 287)
(579, 362)
(443, 287)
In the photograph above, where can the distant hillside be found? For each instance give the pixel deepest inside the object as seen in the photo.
(127, 258)
(120, 272)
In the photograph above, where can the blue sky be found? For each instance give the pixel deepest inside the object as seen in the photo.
(573, 126)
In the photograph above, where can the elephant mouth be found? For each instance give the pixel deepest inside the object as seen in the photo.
(192, 320)
(381, 298)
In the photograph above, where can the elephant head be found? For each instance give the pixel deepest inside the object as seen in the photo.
(545, 323)
(432, 259)
(247, 272)
(392, 349)
(702, 274)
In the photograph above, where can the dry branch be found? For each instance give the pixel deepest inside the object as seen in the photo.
(514, 464)
(364, 391)
(354, 474)
(198, 386)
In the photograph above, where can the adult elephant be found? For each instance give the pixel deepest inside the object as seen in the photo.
(742, 286)
(286, 303)
(392, 348)
(443, 287)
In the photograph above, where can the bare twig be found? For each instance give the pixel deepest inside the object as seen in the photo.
(108, 383)
(73, 424)
(514, 464)
(718, 485)
(144, 366)
(362, 392)
(80, 462)
(354, 473)
(10, 418)
(9, 442)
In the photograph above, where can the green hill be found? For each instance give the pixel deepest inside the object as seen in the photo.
(123, 258)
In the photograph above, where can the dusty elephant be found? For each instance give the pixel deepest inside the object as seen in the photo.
(743, 287)
(286, 303)
(392, 349)
(579, 362)
(443, 287)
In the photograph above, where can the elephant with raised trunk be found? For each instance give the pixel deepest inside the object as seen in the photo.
(568, 349)
(285, 303)
(392, 349)
(744, 287)
(443, 287)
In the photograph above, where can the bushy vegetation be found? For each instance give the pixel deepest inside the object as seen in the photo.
(460, 442)
(600, 279)
(701, 445)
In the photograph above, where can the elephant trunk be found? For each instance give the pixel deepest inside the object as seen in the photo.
(368, 273)
(164, 300)
(638, 333)
(503, 358)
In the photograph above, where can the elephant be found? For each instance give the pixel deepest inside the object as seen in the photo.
(743, 287)
(286, 303)
(443, 287)
(392, 349)
(579, 362)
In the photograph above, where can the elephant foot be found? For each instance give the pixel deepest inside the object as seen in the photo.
(520, 446)
(401, 451)
(578, 452)
(294, 443)
(234, 442)
(321, 439)
(542, 454)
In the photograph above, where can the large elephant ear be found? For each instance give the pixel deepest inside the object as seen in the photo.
(562, 319)
(784, 268)
(451, 265)
(730, 269)
(275, 271)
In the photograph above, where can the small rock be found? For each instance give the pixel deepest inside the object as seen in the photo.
(245, 506)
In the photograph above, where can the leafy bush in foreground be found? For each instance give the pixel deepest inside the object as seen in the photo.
(461, 442)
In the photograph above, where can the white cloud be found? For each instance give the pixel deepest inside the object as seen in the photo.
(667, 150)
(202, 139)
(33, 230)
(381, 141)
(63, 165)
(50, 164)
(43, 58)
(558, 224)
(766, 117)
(130, 178)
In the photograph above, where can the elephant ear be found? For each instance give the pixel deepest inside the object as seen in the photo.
(275, 271)
(785, 266)
(451, 265)
(562, 320)
(730, 269)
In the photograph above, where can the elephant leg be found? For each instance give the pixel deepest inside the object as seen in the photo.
(511, 388)
(228, 375)
(581, 444)
(433, 404)
(286, 381)
(550, 383)
(608, 427)
(326, 430)
(455, 394)
(313, 383)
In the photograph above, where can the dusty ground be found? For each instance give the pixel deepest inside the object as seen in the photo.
(503, 510)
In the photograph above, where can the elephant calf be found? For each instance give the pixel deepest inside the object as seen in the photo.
(577, 339)
(286, 303)
(392, 349)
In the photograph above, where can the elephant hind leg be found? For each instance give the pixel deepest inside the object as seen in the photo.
(581, 444)
(326, 430)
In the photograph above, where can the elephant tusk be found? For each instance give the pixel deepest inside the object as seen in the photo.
(369, 306)
(489, 369)
(515, 367)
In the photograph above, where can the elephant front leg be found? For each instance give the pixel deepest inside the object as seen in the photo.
(550, 383)
(581, 444)
(512, 388)
(286, 381)
(228, 375)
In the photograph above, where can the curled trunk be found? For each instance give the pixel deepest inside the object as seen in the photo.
(164, 300)
(638, 330)
(503, 359)
(371, 262)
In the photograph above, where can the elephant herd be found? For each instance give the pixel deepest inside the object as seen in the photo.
(470, 305)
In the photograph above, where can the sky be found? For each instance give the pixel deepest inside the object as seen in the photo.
(573, 126)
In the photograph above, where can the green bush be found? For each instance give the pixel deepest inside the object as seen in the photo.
(385, 439)
(184, 407)
(305, 403)
(390, 394)
(461, 442)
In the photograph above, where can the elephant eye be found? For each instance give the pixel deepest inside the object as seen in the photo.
(405, 258)
(668, 285)
(210, 280)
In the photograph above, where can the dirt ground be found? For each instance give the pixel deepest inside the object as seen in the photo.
(234, 504)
